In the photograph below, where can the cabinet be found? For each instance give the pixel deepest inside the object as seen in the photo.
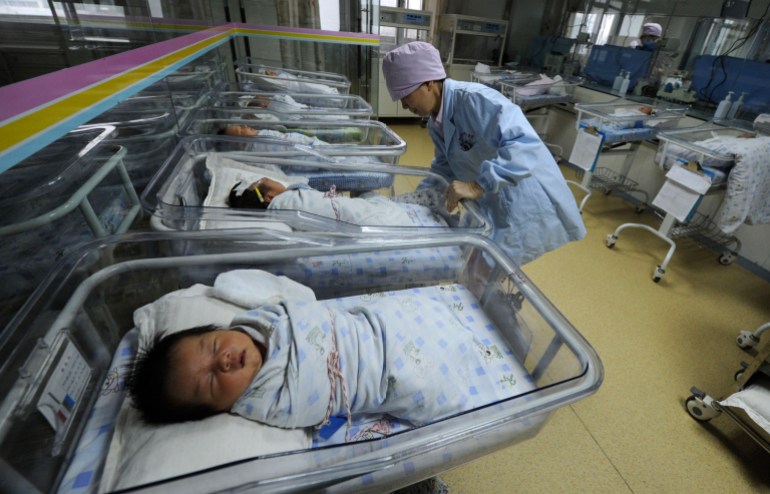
(397, 27)
(465, 41)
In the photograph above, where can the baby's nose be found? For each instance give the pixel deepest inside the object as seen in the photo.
(226, 361)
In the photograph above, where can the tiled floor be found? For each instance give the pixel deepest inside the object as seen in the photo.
(655, 341)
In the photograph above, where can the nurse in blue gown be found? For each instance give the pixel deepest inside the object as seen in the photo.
(488, 151)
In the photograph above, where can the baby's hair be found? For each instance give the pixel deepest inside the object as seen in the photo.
(148, 383)
(248, 199)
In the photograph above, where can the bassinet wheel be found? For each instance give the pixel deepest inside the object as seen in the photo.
(726, 258)
(699, 410)
(610, 240)
(639, 209)
(746, 339)
(658, 274)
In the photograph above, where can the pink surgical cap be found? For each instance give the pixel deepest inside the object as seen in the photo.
(652, 29)
(409, 65)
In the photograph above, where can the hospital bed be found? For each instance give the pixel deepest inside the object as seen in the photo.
(76, 434)
(617, 128)
(190, 193)
(71, 191)
(294, 105)
(700, 161)
(362, 137)
(252, 75)
(535, 96)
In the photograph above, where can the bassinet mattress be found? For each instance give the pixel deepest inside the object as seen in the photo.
(83, 475)
(614, 134)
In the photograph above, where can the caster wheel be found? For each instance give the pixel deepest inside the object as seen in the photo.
(726, 258)
(640, 209)
(696, 409)
(610, 240)
(658, 275)
(746, 340)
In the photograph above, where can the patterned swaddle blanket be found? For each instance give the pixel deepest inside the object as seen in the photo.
(407, 355)
(747, 199)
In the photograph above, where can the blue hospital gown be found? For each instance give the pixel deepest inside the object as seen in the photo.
(487, 139)
(410, 357)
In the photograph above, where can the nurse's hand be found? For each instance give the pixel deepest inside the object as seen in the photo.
(458, 190)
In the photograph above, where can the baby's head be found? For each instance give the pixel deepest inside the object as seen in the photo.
(238, 130)
(193, 374)
(257, 195)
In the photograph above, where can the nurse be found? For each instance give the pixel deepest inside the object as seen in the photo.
(650, 38)
(488, 151)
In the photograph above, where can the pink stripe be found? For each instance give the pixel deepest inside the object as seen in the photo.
(26, 95)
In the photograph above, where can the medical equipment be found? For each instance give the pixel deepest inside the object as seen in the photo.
(748, 405)
(703, 159)
(296, 105)
(76, 321)
(190, 192)
(615, 124)
(357, 137)
(255, 76)
(71, 191)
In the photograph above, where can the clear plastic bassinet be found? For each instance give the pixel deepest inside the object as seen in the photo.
(355, 137)
(191, 190)
(76, 319)
(624, 120)
(71, 191)
(296, 105)
(254, 75)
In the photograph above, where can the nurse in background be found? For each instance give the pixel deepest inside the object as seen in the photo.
(488, 151)
(650, 38)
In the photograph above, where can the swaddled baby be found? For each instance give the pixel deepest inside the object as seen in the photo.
(369, 209)
(298, 363)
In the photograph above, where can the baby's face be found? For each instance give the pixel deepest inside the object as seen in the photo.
(214, 368)
(268, 188)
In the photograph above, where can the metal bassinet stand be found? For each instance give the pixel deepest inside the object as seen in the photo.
(618, 126)
(676, 148)
(703, 407)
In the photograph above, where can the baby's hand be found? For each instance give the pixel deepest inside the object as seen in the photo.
(458, 190)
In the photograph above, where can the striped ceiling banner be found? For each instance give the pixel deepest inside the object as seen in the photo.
(38, 111)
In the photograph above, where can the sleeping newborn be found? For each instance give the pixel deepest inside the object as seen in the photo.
(369, 209)
(297, 363)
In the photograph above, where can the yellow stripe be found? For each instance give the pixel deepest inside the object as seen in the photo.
(29, 125)
(348, 39)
